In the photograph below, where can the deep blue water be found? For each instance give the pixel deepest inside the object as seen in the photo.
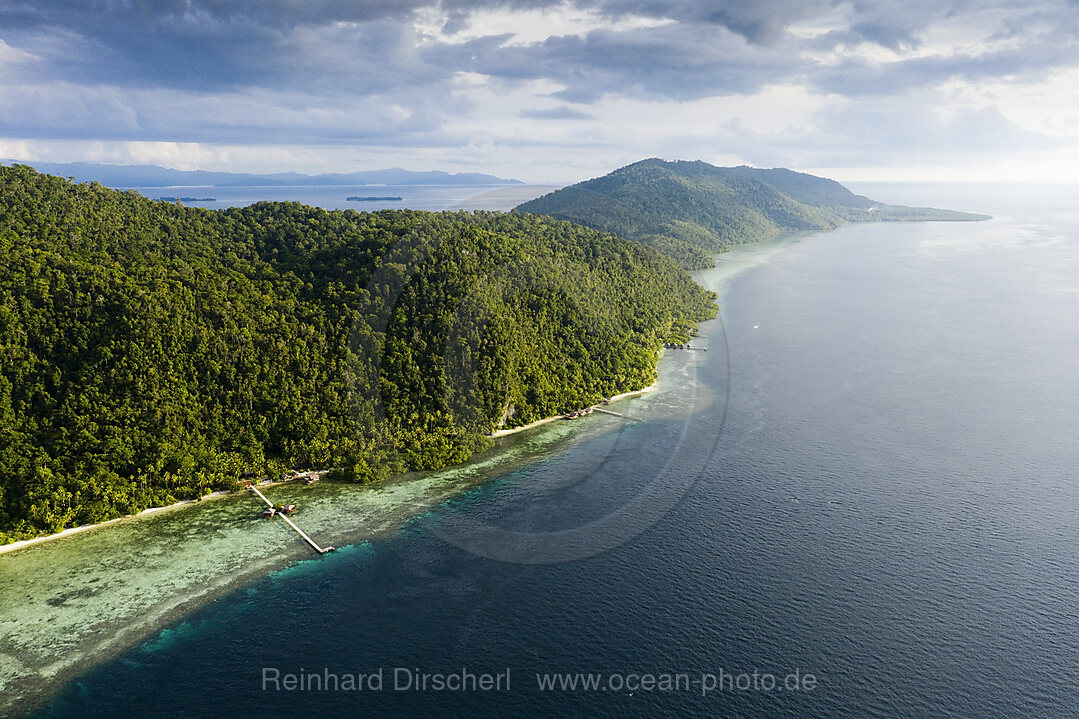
(885, 499)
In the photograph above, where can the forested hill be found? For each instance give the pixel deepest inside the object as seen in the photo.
(691, 210)
(151, 352)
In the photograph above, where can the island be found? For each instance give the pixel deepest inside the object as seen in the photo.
(692, 210)
(155, 353)
(373, 198)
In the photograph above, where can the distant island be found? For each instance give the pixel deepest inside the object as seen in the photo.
(373, 198)
(125, 176)
(187, 199)
(692, 210)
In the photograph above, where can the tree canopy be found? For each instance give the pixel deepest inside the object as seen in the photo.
(692, 210)
(151, 352)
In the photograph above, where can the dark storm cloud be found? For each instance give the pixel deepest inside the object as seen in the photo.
(759, 22)
(149, 67)
(673, 61)
(214, 44)
(369, 45)
(860, 78)
(112, 15)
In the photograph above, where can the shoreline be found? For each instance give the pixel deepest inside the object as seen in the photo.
(99, 634)
(546, 420)
(221, 493)
(98, 631)
(24, 543)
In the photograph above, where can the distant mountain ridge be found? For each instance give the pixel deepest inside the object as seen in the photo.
(156, 176)
(691, 210)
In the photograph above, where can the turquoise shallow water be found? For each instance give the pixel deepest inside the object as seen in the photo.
(869, 477)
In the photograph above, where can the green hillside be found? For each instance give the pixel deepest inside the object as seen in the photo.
(691, 210)
(151, 352)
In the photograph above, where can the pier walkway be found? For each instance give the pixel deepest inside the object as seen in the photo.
(299, 531)
(617, 414)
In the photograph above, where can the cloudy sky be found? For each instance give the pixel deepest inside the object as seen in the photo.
(547, 91)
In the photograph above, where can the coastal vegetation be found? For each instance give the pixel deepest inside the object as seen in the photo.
(151, 352)
(692, 210)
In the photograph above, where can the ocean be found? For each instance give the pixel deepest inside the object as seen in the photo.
(413, 197)
(859, 501)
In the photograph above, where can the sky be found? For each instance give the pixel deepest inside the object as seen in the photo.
(547, 92)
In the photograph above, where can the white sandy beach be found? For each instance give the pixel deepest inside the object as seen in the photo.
(217, 495)
(4, 548)
(545, 420)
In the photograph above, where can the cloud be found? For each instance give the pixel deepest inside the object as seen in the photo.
(668, 47)
(488, 76)
(906, 130)
(675, 61)
(562, 112)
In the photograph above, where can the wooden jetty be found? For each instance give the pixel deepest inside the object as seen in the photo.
(307, 539)
(617, 414)
(290, 523)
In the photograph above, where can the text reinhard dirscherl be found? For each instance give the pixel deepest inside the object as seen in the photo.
(399, 679)
(406, 679)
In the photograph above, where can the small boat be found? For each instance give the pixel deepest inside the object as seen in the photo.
(269, 512)
(287, 509)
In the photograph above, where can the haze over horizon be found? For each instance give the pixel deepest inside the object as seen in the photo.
(547, 92)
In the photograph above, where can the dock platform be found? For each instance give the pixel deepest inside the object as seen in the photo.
(320, 550)
(617, 414)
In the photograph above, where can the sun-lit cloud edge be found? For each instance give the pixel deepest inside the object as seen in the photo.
(548, 91)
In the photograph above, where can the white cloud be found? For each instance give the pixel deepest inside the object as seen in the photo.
(523, 27)
(548, 91)
(10, 56)
(1045, 106)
